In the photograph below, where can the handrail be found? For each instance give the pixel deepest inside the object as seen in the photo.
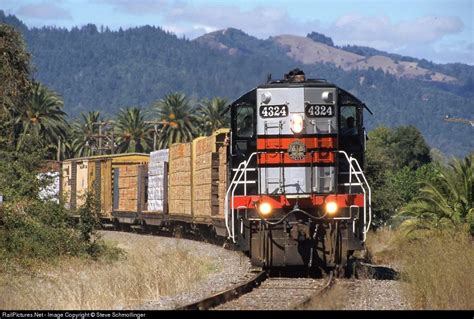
(226, 202)
(370, 194)
(232, 187)
(356, 171)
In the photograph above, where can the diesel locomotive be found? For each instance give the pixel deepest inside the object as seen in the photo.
(297, 193)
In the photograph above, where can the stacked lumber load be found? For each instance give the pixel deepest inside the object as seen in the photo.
(128, 188)
(222, 188)
(209, 174)
(179, 179)
(158, 181)
(205, 177)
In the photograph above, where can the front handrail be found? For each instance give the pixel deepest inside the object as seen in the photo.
(370, 194)
(232, 187)
(226, 201)
(364, 184)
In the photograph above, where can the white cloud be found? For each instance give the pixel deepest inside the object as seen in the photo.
(137, 7)
(48, 10)
(260, 21)
(189, 32)
(381, 33)
(419, 37)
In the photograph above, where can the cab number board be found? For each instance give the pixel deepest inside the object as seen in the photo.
(273, 110)
(318, 110)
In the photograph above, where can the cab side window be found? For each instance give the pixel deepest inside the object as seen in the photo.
(245, 121)
(348, 120)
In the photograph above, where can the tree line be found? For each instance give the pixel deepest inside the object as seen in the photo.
(32, 111)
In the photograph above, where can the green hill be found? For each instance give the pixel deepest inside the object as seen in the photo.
(100, 69)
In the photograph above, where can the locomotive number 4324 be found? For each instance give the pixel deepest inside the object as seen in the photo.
(274, 110)
(317, 110)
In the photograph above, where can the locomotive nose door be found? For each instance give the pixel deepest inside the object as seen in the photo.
(243, 131)
(351, 133)
(351, 130)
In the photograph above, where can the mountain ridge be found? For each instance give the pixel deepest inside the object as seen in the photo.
(309, 51)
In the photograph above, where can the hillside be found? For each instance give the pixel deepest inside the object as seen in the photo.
(105, 70)
(307, 51)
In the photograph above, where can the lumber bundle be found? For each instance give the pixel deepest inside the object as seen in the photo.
(180, 179)
(208, 188)
(222, 187)
(158, 181)
(128, 188)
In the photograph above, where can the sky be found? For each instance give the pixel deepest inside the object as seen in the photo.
(437, 30)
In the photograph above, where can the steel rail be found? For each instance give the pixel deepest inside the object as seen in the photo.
(227, 295)
(331, 281)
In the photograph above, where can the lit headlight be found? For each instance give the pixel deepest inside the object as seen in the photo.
(265, 209)
(331, 208)
(297, 123)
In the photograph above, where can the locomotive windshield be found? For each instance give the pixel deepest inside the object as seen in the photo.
(245, 121)
(348, 120)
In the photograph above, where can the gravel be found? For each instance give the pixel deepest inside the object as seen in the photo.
(371, 294)
(233, 267)
(276, 294)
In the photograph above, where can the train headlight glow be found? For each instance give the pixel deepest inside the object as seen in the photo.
(331, 208)
(297, 123)
(265, 209)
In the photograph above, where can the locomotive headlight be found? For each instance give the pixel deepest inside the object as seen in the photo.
(265, 209)
(297, 123)
(331, 208)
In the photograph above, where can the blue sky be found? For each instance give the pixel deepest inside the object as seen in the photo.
(437, 30)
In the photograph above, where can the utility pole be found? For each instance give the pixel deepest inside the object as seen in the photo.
(459, 120)
(109, 139)
(156, 123)
(59, 150)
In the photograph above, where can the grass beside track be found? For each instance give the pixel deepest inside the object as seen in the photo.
(144, 271)
(437, 265)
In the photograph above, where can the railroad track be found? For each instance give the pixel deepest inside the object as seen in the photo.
(261, 292)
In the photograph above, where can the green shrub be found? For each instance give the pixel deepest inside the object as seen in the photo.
(89, 221)
(35, 229)
(44, 230)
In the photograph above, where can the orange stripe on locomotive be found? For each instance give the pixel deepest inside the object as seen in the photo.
(318, 150)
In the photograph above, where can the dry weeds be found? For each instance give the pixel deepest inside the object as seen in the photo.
(145, 272)
(382, 247)
(437, 265)
(440, 272)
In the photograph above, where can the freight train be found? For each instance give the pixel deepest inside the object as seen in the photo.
(284, 184)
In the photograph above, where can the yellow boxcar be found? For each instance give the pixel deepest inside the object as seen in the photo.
(119, 181)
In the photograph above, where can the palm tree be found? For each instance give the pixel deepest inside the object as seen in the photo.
(181, 124)
(448, 201)
(83, 133)
(43, 116)
(211, 115)
(133, 134)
